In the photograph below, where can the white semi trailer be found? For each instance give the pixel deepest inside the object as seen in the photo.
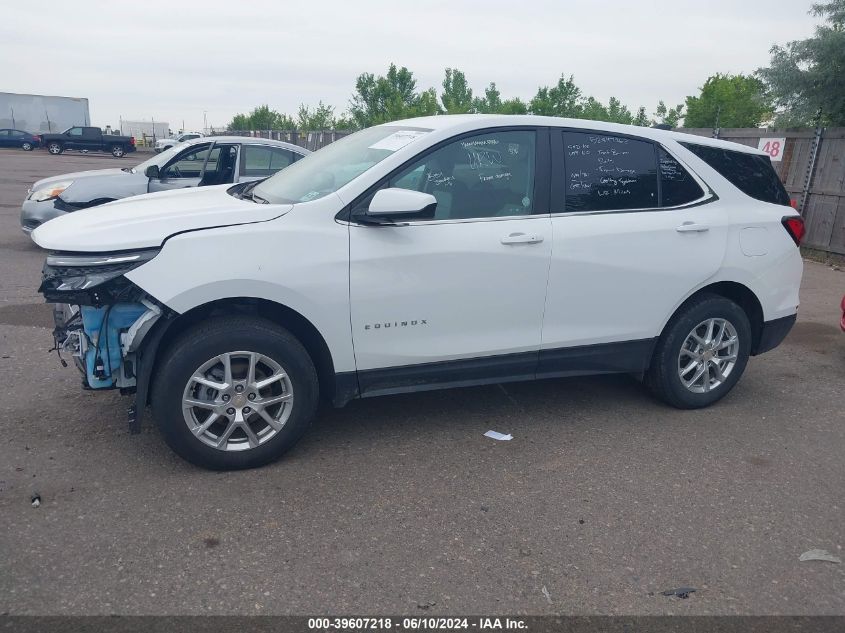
(41, 113)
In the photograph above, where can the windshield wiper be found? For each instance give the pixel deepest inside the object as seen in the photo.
(256, 198)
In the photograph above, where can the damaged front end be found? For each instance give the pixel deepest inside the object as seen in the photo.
(101, 317)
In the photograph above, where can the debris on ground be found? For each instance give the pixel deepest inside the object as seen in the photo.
(680, 592)
(547, 594)
(425, 605)
(35, 500)
(495, 435)
(819, 554)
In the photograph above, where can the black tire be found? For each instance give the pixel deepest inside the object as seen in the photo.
(218, 336)
(55, 148)
(663, 377)
(118, 151)
(26, 146)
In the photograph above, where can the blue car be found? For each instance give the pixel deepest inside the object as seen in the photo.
(19, 138)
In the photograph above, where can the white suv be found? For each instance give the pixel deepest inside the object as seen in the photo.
(166, 143)
(423, 254)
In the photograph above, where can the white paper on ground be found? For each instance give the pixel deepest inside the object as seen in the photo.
(498, 436)
(397, 140)
(819, 554)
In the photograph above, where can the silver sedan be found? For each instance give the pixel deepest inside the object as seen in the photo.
(196, 163)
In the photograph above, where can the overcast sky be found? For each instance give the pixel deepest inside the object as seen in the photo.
(174, 60)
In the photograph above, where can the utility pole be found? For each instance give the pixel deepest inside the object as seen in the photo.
(204, 122)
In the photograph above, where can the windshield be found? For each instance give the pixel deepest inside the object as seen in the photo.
(329, 169)
(159, 159)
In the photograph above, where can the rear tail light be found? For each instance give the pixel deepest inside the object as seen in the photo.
(131, 140)
(794, 204)
(794, 225)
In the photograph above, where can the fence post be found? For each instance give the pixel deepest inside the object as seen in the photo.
(811, 166)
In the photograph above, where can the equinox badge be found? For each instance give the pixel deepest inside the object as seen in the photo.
(380, 326)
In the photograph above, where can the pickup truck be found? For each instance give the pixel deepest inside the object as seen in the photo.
(89, 139)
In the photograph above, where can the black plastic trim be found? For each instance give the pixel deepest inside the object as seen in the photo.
(145, 359)
(618, 357)
(603, 358)
(773, 333)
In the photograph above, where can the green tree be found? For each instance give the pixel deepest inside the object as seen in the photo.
(664, 115)
(729, 101)
(563, 99)
(641, 118)
(807, 75)
(491, 103)
(389, 97)
(261, 118)
(320, 118)
(513, 106)
(593, 109)
(239, 122)
(457, 95)
(618, 113)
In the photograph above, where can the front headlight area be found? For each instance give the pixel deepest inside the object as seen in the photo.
(50, 192)
(101, 316)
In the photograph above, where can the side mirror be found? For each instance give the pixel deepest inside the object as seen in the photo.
(151, 171)
(394, 204)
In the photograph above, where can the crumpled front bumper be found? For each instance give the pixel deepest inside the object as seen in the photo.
(102, 342)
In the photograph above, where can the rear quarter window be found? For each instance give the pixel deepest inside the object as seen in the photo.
(752, 174)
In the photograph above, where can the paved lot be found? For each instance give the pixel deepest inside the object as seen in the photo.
(604, 498)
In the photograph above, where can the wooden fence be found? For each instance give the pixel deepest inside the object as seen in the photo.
(812, 170)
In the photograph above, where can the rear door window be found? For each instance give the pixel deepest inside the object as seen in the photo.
(752, 174)
(263, 160)
(677, 186)
(605, 172)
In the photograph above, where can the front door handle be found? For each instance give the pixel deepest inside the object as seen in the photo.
(522, 238)
(692, 227)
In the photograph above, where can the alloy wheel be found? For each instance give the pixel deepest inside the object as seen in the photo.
(708, 355)
(237, 401)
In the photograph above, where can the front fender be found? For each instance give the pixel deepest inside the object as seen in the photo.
(304, 270)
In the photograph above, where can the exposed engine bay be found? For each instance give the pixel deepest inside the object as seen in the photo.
(101, 317)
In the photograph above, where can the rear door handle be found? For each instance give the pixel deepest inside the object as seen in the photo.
(692, 227)
(522, 238)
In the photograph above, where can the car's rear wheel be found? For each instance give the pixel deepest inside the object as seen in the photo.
(701, 354)
(234, 393)
(26, 146)
(55, 148)
(117, 151)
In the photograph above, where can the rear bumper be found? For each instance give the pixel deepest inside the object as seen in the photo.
(773, 333)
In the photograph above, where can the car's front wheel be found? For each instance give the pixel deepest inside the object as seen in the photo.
(26, 146)
(55, 148)
(701, 354)
(234, 393)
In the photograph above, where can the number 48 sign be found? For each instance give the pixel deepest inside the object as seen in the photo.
(773, 147)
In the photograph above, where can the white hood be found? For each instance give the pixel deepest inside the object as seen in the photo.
(146, 221)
